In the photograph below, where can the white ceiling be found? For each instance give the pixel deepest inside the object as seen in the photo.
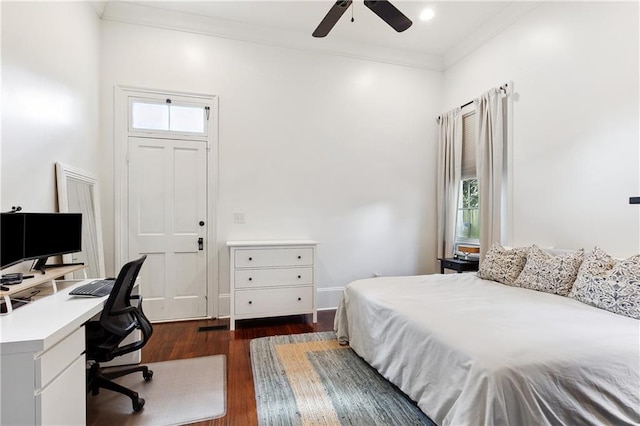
(456, 27)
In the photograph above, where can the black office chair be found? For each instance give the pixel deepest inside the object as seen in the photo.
(103, 338)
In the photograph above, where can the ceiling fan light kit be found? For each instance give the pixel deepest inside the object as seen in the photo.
(385, 10)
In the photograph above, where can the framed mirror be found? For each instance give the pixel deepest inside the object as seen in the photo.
(78, 193)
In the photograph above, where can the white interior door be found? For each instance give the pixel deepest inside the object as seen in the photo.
(167, 217)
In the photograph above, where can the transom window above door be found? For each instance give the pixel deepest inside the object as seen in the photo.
(168, 116)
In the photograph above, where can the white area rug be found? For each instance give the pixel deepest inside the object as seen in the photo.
(181, 391)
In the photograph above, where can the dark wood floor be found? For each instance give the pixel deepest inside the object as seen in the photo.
(184, 339)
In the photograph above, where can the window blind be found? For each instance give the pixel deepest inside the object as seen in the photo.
(469, 145)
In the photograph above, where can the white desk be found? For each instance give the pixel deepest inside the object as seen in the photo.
(42, 349)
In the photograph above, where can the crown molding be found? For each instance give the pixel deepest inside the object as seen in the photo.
(488, 30)
(99, 6)
(137, 14)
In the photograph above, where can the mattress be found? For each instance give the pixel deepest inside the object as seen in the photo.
(475, 352)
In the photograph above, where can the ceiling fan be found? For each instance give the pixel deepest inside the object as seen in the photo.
(385, 10)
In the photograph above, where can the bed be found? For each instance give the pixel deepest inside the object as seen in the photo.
(471, 351)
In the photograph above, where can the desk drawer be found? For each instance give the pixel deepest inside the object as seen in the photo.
(52, 362)
(64, 400)
(246, 278)
(260, 258)
(274, 301)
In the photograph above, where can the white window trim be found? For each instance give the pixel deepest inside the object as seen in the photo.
(462, 240)
(467, 111)
(177, 100)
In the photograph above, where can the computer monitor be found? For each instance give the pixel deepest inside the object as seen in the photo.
(51, 234)
(36, 236)
(11, 239)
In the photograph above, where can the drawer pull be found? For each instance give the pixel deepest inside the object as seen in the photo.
(299, 299)
(250, 279)
(299, 257)
(251, 258)
(250, 302)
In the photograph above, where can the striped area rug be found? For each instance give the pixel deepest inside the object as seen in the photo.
(309, 379)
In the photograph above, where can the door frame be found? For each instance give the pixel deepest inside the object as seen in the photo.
(121, 185)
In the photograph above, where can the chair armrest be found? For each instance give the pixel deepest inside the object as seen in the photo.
(141, 319)
(139, 298)
(130, 309)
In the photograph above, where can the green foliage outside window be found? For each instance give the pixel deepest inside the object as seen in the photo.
(468, 223)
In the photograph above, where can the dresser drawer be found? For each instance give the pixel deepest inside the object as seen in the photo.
(274, 301)
(260, 258)
(246, 278)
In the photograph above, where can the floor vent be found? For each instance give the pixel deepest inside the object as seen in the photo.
(213, 327)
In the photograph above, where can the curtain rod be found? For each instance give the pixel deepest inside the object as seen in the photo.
(503, 88)
(467, 104)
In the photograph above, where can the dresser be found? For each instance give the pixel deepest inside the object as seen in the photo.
(272, 278)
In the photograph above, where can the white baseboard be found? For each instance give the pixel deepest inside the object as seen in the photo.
(224, 305)
(327, 298)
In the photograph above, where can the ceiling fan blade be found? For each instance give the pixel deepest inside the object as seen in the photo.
(389, 14)
(336, 11)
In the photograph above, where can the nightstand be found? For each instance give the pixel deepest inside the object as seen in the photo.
(459, 265)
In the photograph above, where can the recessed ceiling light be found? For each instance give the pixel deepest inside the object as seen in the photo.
(427, 14)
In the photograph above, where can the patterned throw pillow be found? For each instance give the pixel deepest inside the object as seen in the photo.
(551, 274)
(502, 265)
(606, 284)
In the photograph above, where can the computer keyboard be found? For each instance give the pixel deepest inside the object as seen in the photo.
(97, 288)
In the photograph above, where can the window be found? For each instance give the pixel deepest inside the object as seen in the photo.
(468, 219)
(168, 116)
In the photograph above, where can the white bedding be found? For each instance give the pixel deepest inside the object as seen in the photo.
(476, 352)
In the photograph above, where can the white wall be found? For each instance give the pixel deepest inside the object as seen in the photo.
(50, 60)
(312, 146)
(575, 121)
(338, 149)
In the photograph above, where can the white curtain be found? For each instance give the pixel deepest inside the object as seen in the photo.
(490, 161)
(448, 181)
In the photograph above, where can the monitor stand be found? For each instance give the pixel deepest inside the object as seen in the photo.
(41, 264)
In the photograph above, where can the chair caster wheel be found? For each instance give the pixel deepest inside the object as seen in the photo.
(148, 375)
(137, 405)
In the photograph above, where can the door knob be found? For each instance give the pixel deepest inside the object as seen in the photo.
(201, 223)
